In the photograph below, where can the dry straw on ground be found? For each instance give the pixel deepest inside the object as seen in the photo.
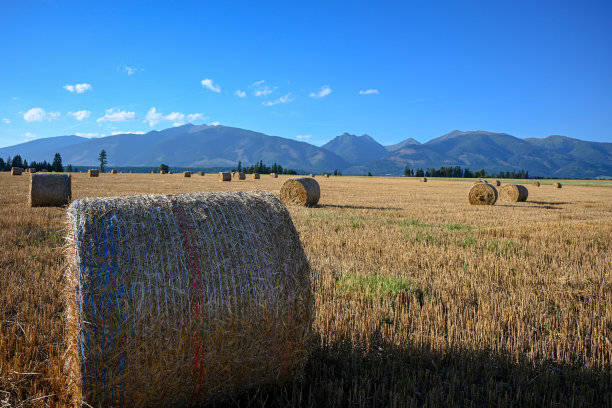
(557, 185)
(16, 171)
(184, 299)
(423, 179)
(482, 194)
(225, 176)
(300, 191)
(93, 172)
(50, 190)
(186, 174)
(513, 193)
(238, 176)
(256, 176)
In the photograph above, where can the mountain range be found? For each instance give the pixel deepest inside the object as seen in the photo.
(203, 146)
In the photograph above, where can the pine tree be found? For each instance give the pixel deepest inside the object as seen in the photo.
(2, 164)
(17, 162)
(102, 159)
(57, 163)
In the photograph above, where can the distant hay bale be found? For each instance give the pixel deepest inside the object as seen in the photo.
(496, 183)
(225, 176)
(557, 185)
(312, 175)
(162, 172)
(513, 193)
(327, 175)
(121, 172)
(50, 190)
(170, 172)
(186, 174)
(93, 172)
(239, 176)
(273, 175)
(200, 173)
(131, 172)
(44, 171)
(482, 194)
(16, 171)
(151, 172)
(423, 179)
(300, 191)
(536, 183)
(113, 171)
(256, 176)
(32, 170)
(183, 300)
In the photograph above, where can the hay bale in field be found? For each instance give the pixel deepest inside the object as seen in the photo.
(183, 300)
(327, 176)
(162, 172)
(513, 193)
(121, 172)
(225, 176)
(186, 174)
(16, 171)
(536, 183)
(273, 175)
(301, 191)
(256, 176)
(32, 170)
(496, 183)
(312, 175)
(151, 172)
(131, 172)
(482, 194)
(50, 190)
(557, 185)
(113, 171)
(423, 180)
(44, 171)
(239, 176)
(93, 172)
(170, 172)
(200, 173)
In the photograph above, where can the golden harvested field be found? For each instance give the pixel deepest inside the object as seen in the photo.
(421, 299)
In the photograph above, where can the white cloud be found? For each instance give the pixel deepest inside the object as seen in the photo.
(215, 124)
(6, 120)
(323, 92)
(282, 99)
(192, 117)
(129, 70)
(240, 94)
(369, 92)
(80, 115)
(39, 114)
(303, 137)
(178, 118)
(89, 135)
(29, 136)
(126, 133)
(264, 91)
(208, 83)
(116, 115)
(78, 88)
(257, 83)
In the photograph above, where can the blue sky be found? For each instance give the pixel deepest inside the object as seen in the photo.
(307, 70)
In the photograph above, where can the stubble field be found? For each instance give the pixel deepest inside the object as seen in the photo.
(421, 299)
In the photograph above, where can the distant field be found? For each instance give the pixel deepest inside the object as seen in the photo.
(421, 299)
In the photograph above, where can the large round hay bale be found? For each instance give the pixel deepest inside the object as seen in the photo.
(225, 176)
(16, 171)
(273, 175)
(113, 171)
(93, 172)
(186, 174)
(256, 176)
(239, 176)
(482, 194)
(513, 193)
(496, 183)
(557, 185)
(50, 190)
(536, 183)
(183, 300)
(301, 191)
(423, 180)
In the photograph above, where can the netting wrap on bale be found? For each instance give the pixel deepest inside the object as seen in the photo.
(50, 190)
(183, 299)
(300, 191)
(225, 176)
(482, 194)
(513, 193)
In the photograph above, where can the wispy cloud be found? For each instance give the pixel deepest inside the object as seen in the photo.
(116, 115)
(303, 137)
(6, 120)
(282, 99)
(208, 83)
(323, 92)
(215, 124)
(78, 88)
(369, 92)
(178, 118)
(80, 115)
(88, 135)
(260, 89)
(128, 69)
(257, 83)
(126, 133)
(29, 136)
(39, 114)
(240, 94)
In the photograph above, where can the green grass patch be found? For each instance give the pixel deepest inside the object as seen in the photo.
(376, 286)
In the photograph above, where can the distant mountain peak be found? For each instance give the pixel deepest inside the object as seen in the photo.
(355, 149)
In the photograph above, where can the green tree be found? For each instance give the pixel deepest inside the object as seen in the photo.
(239, 166)
(164, 168)
(57, 163)
(102, 159)
(69, 168)
(17, 162)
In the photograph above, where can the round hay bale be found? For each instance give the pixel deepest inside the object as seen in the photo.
(256, 176)
(482, 194)
(301, 191)
(200, 173)
(151, 172)
(239, 176)
(121, 172)
(496, 183)
(327, 176)
(312, 175)
(273, 175)
(44, 171)
(513, 193)
(225, 176)
(32, 170)
(93, 172)
(183, 300)
(186, 174)
(16, 171)
(131, 172)
(113, 171)
(557, 185)
(170, 172)
(50, 190)
(536, 183)
(423, 179)
(162, 172)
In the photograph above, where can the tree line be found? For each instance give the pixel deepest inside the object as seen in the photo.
(262, 168)
(458, 172)
(18, 161)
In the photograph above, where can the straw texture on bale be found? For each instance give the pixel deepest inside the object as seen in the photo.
(225, 176)
(496, 183)
(423, 179)
(113, 171)
(536, 183)
(273, 175)
(50, 190)
(186, 174)
(183, 300)
(513, 193)
(16, 171)
(300, 191)
(200, 173)
(238, 176)
(557, 185)
(93, 172)
(256, 176)
(482, 194)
